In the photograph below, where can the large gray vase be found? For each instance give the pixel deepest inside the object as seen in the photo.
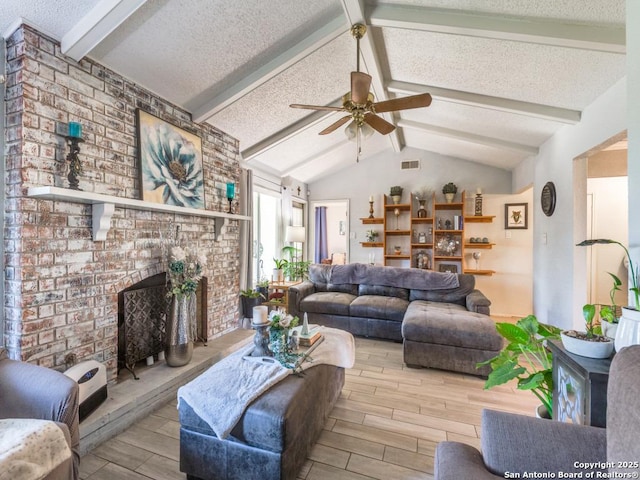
(181, 326)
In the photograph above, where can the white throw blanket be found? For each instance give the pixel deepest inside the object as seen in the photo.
(222, 393)
(30, 448)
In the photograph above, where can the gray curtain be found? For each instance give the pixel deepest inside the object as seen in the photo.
(246, 230)
(321, 251)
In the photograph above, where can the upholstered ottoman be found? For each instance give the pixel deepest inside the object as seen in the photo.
(274, 435)
(448, 337)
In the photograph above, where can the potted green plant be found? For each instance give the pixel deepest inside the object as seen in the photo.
(278, 271)
(525, 358)
(590, 343)
(450, 190)
(628, 332)
(263, 287)
(250, 298)
(371, 235)
(396, 194)
(294, 269)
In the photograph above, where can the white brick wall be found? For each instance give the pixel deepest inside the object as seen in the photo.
(60, 286)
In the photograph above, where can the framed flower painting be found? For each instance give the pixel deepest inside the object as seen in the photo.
(170, 163)
(516, 216)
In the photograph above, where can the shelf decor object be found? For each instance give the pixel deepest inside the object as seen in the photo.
(74, 138)
(478, 204)
(231, 194)
(371, 207)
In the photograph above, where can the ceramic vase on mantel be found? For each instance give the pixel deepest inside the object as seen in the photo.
(628, 332)
(181, 328)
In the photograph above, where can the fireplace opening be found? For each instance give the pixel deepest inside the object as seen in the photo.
(142, 319)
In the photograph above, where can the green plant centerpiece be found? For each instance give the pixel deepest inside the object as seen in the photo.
(590, 343)
(280, 324)
(525, 358)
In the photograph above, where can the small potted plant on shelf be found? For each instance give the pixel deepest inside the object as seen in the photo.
(592, 343)
(396, 194)
(450, 190)
(525, 358)
(371, 235)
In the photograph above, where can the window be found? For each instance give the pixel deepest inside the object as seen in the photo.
(266, 234)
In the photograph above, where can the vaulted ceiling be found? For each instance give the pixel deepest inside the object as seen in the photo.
(504, 74)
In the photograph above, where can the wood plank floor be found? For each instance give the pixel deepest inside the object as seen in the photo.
(385, 425)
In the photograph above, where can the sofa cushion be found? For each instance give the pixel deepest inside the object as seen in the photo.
(450, 295)
(378, 306)
(382, 290)
(332, 303)
(449, 324)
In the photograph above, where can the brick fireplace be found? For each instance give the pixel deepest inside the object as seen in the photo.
(61, 286)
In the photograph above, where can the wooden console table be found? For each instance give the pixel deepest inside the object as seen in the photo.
(579, 387)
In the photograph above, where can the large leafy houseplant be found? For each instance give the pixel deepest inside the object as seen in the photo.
(526, 358)
(633, 271)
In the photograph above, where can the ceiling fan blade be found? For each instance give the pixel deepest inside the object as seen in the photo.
(404, 103)
(379, 124)
(360, 83)
(335, 125)
(317, 107)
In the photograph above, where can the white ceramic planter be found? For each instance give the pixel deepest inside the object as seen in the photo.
(587, 349)
(628, 329)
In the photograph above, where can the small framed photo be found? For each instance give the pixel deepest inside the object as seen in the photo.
(516, 216)
(448, 267)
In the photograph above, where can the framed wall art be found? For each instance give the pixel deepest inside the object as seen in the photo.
(516, 216)
(170, 163)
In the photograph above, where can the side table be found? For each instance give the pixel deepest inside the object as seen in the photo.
(579, 387)
(278, 294)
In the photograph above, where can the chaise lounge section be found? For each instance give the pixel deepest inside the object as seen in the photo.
(442, 320)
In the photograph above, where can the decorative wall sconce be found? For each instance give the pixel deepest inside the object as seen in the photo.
(231, 194)
(74, 138)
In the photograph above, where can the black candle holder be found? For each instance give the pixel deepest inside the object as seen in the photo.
(230, 204)
(75, 166)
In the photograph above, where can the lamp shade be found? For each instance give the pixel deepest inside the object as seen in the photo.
(295, 234)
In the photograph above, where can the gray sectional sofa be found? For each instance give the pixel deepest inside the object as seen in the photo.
(442, 320)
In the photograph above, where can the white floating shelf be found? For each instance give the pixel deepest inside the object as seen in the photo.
(104, 207)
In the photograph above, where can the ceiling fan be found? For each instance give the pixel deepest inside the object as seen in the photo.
(360, 106)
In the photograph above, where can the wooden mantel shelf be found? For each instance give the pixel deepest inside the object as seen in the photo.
(104, 206)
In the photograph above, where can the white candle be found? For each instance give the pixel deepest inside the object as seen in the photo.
(260, 315)
(371, 198)
(479, 191)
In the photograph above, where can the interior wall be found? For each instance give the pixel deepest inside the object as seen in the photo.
(337, 211)
(510, 289)
(556, 259)
(609, 219)
(633, 115)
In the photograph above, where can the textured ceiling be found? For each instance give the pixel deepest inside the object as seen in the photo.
(504, 74)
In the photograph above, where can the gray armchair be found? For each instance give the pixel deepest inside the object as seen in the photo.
(30, 391)
(514, 444)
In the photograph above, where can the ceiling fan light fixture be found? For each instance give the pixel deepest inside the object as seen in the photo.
(351, 131)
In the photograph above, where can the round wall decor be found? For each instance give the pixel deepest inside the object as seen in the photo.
(548, 198)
